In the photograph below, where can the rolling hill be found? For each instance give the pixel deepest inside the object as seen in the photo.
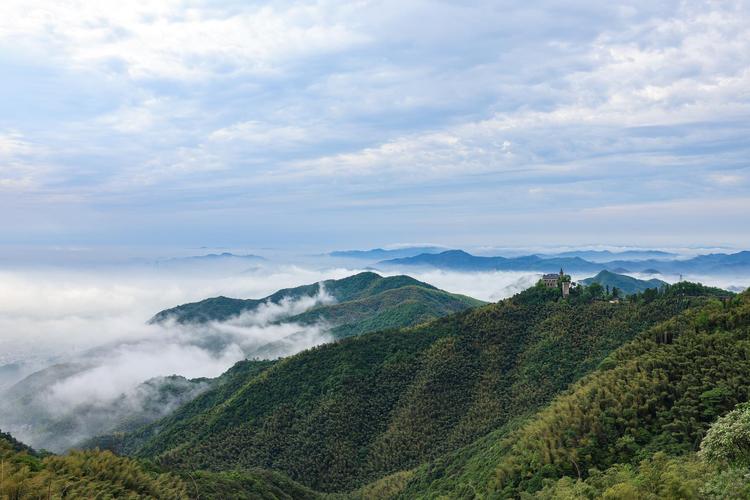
(357, 304)
(342, 415)
(360, 290)
(626, 284)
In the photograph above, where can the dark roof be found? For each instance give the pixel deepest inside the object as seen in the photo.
(552, 276)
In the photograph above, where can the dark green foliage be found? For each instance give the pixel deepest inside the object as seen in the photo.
(721, 470)
(14, 444)
(649, 396)
(253, 484)
(447, 409)
(340, 415)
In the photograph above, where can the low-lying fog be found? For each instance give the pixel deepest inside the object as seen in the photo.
(93, 325)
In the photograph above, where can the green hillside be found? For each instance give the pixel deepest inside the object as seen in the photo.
(633, 425)
(341, 415)
(352, 288)
(365, 302)
(627, 285)
(25, 473)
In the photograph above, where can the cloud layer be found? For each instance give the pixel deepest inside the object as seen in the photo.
(292, 122)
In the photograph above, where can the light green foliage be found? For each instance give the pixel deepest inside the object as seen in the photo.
(657, 478)
(89, 474)
(728, 440)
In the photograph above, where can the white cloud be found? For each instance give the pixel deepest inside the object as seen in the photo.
(20, 168)
(725, 179)
(695, 71)
(13, 144)
(369, 106)
(97, 321)
(264, 135)
(175, 39)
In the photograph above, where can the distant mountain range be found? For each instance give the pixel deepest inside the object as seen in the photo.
(590, 255)
(608, 256)
(458, 259)
(381, 253)
(210, 258)
(626, 284)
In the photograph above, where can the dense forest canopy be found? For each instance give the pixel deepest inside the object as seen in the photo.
(343, 414)
(535, 396)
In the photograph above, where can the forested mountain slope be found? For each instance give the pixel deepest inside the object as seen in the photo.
(627, 285)
(343, 414)
(366, 302)
(403, 306)
(650, 400)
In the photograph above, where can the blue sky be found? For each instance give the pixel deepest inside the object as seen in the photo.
(356, 124)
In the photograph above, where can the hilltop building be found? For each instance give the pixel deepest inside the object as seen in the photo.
(551, 281)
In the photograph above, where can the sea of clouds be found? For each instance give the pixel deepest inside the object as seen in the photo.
(96, 320)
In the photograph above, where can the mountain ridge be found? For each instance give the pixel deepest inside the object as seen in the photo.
(717, 263)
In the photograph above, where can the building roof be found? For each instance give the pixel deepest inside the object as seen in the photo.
(552, 276)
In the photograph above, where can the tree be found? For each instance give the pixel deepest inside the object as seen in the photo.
(595, 290)
(728, 439)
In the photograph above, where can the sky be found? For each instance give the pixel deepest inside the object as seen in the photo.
(365, 123)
